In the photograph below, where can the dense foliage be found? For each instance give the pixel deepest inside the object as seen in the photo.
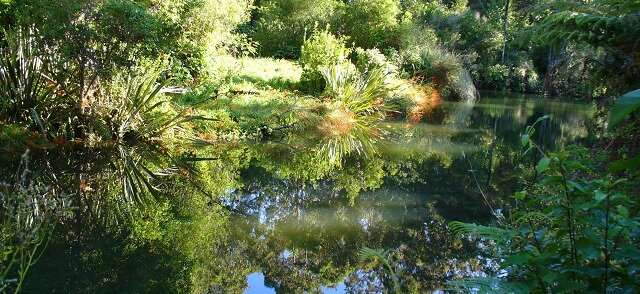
(577, 230)
(340, 83)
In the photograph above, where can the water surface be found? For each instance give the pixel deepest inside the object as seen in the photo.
(277, 216)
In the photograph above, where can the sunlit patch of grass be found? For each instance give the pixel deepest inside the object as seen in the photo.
(260, 97)
(267, 73)
(251, 115)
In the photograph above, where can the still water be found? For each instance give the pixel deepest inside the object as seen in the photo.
(278, 217)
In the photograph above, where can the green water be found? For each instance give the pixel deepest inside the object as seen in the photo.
(271, 216)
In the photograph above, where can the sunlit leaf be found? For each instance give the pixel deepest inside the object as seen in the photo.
(520, 195)
(543, 164)
(623, 106)
(524, 140)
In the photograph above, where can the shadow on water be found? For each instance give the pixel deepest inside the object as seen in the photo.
(230, 218)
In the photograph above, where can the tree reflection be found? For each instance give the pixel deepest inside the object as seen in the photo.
(183, 219)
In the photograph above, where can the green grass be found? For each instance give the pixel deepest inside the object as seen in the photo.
(261, 97)
(266, 73)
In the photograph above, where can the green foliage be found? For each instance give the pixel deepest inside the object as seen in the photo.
(28, 213)
(372, 23)
(601, 23)
(358, 104)
(577, 235)
(443, 70)
(136, 106)
(623, 107)
(609, 26)
(23, 84)
(283, 25)
(578, 232)
(321, 50)
(367, 59)
(498, 76)
(211, 33)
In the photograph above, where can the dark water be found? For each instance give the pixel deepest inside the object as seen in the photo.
(278, 216)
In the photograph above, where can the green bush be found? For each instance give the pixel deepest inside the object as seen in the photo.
(525, 78)
(443, 70)
(497, 77)
(23, 86)
(372, 23)
(321, 50)
(367, 59)
(577, 231)
(282, 25)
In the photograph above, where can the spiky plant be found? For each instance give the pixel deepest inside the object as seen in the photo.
(139, 106)
(24, 88)
(357, 104)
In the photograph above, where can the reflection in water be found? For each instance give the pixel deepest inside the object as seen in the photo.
(279, 216)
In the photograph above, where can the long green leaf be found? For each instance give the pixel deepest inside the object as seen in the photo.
(623, 106)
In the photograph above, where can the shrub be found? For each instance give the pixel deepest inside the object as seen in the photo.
(497, 77)
(525, 78)
(367, 59)
(211, 34)
(442, 70)
(321, 50)
(135, 107)
(23, 86)
(372, 23)
(283, 25)
(576, 231)
(416, 100)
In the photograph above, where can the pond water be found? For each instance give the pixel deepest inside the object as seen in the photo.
(277, 216)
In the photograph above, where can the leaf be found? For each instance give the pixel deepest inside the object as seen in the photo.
(551, 180)
(577, 186)
(519, 195)
(588, 248)
(624, 164)
(623, 106)
(543, 164)
(524, 140)
(600, 196)
(517, 259)
(623, 211)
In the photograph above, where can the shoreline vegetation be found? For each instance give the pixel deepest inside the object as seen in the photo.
(167, 74)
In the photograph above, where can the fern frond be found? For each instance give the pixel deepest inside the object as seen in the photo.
(534, 218)
(367, 253)
(487, 285)
(482, 232)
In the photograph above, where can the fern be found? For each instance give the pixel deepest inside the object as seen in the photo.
(381, 256)
(487, 285)
(482, 232)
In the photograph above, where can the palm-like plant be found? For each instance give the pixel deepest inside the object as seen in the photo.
(357, 104)
(24, 89)
(139, 112)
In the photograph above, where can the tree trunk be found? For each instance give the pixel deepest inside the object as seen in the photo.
(506, 29)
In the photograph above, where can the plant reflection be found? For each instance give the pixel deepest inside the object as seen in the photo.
(156, 219)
